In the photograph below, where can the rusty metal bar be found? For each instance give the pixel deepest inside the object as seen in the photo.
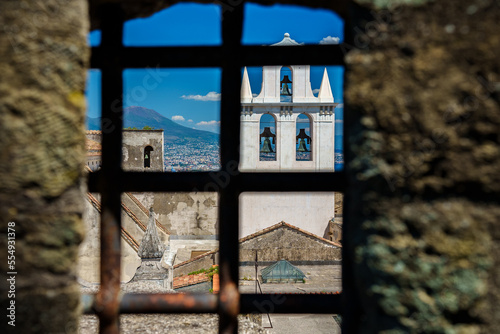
(289, 181)
(174, 303)
(291, 303)
(214, 56)
(169, 303)
(229, 302)
(107, 300)
(215, 181)
(207, 303)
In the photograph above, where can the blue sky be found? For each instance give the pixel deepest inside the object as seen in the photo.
(191, 96)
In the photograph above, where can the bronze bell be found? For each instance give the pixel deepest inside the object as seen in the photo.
(302, 146)
(302, 142)
(266, 147)
(285, 90)
(267, 134)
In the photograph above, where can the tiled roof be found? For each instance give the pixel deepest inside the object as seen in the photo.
(182, 281)
(93, 132)
(92, 145)
(262, 232)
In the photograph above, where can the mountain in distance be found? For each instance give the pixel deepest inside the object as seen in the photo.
(139, 117)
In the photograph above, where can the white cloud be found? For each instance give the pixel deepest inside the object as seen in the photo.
(341, 105)
(213, 126)
(209, 123)
(211, 96)
(190, 120)
(255, 95)
(178, 118)
(316, 91)
(330, 40)
(339, 121)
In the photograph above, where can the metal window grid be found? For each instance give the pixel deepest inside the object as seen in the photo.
(111, 57)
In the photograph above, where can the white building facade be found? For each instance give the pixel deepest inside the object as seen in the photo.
(286, 95)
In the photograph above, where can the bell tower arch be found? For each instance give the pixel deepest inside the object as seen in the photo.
(303, 138)
(286, 84)
(267, 139)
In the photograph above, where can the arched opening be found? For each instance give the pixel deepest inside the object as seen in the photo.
(286, 84)
(303, 138)
(267, 138)
(147, 156)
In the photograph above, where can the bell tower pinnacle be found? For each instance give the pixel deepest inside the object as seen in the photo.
(325, 91)
(246, 90)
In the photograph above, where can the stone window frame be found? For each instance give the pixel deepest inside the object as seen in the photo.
(111, 57)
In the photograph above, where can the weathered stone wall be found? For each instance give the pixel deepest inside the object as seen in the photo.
(43, 58)
(133, 210)
(184, 213)
(288, 244)
(134, 143)
(423, 123)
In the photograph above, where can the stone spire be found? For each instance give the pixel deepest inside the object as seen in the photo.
(246, 90)
(151, 247)
(325, 91)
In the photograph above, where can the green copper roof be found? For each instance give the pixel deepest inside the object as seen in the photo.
(282, 271)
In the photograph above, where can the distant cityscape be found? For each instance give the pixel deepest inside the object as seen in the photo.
(192, 156)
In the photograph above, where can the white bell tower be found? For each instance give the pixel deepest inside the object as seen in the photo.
(285, 144)
(285, 97)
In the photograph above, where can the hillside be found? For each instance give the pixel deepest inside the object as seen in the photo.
(139, 117)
